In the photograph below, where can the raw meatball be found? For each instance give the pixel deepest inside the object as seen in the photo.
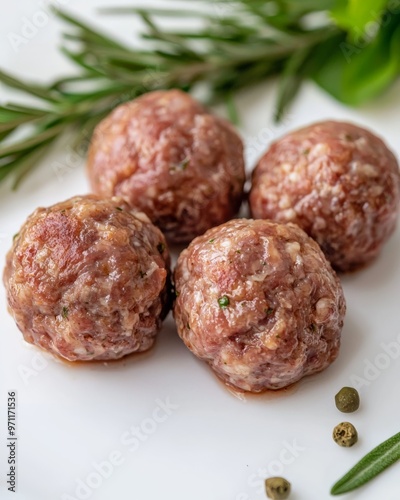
(169, 157)
(338, 182)
(260, 303)
(88, 280)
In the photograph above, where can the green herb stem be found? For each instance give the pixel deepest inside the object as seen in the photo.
(237, 44)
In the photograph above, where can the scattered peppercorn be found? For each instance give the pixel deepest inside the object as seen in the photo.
(119, 209)
(161, 247)
(345, 434)
(277, 488)
(347, 400)
(223, 301)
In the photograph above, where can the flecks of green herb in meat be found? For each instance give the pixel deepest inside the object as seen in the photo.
(223, 302)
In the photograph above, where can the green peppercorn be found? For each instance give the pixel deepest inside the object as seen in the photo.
(345, 434)
(347, 400)
(277, 488)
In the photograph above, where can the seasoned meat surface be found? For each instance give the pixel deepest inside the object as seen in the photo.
(338, 182)
(260, 303)
(172, 159)
(87, 279)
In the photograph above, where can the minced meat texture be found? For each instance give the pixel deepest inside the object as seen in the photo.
(338, 182)
(259, 302)
(172, 159)
(86, 279)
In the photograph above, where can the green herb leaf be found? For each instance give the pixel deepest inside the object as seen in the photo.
(291, 80)
(182, 165)
(362, 80)
(161, 248)
(64, 312)
(246, 42)
(29, 88)
(375, 462)
(355, 75)
(223, 301)
(354, 15)
(231, 108)
(88, 30)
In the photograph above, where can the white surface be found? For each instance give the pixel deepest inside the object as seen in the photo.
(213, 445)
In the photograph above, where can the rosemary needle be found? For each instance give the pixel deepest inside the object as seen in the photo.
(375, 462)
(237, 43)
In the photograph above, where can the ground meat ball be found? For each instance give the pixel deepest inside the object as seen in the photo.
(87, 280)
(260, 303)
(168, 156)
(338, 182)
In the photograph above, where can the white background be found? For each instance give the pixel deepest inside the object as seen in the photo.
(213, 445)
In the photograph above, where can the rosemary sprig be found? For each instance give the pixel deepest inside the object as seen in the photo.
(237, 43)
(375, 462)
